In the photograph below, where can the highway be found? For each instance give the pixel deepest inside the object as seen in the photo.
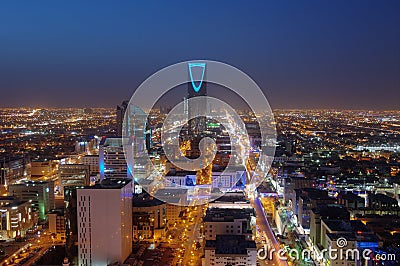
(38, 245)
(191, 255)
(264, 226)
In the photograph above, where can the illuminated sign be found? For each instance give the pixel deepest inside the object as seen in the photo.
(213, 125)
(367, 245)
(191, 66)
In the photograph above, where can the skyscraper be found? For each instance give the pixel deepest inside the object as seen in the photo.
(12, 169)
(121, 109)
(112, 158)
(73, 175)
(39, 193)
(105, 222)
(135, 120)
(71, 223)
(197, 87)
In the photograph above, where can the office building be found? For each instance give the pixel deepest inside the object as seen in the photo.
(176, 199)
(219, 221)
(93, 162)
(230, 250)
(121, 109)
(41, 169)
(71, 223)
(197, 87)
(112, 158)
(306, 200)
(327, 212)
(231, 200)
(12, 169)
(39, 193)
(228, 181)
(382, 202)
(350, 201)
(292, 183)
(4, 200)
(16, 218)
(149, 218)
(73, 175)
(132, 121)
(358, 236)
(57, 224)
(105, 222)
(180, 178)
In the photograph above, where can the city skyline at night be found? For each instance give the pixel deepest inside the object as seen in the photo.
(176, 133)
(341, 55)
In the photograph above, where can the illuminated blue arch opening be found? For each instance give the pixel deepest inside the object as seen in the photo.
(203, 66)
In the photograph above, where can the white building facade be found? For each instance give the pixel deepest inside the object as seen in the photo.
(105, 223)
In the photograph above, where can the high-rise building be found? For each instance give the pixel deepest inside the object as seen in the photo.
(224, 221)
(132, 122)
(357, 235)
(16, 218)
(39, 193)
(176, 198)
(71, 223)
(12, 169)
(230, 250)
(228, 233)
(93, 162)
(105, 222)
(330, 212)
(197, 87)
(112, 158)
(73, 175)
(149, 218)
(57, 223)
(40, 169)
(121, 109)
(132, 127)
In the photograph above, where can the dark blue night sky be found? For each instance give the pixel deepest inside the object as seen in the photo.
(304, 54)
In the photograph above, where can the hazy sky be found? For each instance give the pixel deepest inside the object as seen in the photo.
(304, 54)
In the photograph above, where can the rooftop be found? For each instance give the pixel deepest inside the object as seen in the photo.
(171, 192)
(110, 183)
(59, 212)
(382, 197)
(174, 172)
(350, 196)
(30, 182)
(232, 197)
(227, 215)
(230, 244)
(9, 158)
(350, 226)
(332, 211)
(113, 141)
(15, 203)
(145, 200)
(7, 198)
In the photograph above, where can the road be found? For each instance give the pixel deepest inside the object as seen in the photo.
(192, 255)
(38, 244)
(264, 227)
(38, 255)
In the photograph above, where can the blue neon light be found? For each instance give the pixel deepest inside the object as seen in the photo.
(102, 167)
(367, 244)
(203, 66)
